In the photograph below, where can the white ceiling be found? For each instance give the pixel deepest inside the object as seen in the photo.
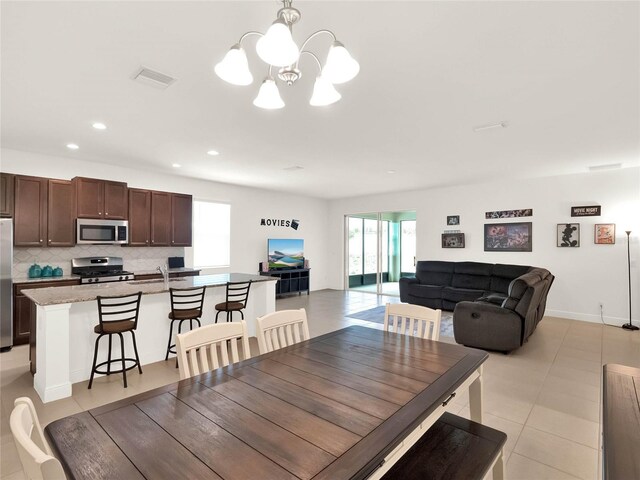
(564, 75)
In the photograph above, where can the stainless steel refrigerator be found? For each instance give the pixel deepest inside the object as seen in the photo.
(6, 284)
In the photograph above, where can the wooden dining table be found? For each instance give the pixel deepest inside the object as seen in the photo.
(343, 405)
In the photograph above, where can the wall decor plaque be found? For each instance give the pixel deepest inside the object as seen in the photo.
(590, 211)
(453, 240)
(508, 237)
(523, 212)
(568, 235)
(605, 233)
(453, 219)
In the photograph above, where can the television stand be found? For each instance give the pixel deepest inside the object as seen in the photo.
(290, 280)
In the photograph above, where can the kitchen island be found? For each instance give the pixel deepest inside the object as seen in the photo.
(66, 316)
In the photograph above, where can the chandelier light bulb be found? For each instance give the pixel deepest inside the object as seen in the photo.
(277, 47)
(234, 67)
(340, 66)
(324, 93)
(268, 96)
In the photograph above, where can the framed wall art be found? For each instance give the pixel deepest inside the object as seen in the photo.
(453, 219)
(568, 235)
(508, 237)
(605, 233)
(523, 212)
(453, 240)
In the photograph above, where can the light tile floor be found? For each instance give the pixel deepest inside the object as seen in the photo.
(544, 396)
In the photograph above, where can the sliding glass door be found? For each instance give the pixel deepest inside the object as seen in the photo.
(380, 250)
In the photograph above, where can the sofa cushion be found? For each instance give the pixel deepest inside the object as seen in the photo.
(503, 275)
(434, 272)
(425, 291)
(472, 275)
(454, 294)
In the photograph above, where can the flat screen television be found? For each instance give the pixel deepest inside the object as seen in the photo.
(285, 253)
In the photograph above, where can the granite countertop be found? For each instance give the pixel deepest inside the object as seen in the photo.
(85, 293)
(45, 279)
(171, 270)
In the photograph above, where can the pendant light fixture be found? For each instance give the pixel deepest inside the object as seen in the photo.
(278, 49)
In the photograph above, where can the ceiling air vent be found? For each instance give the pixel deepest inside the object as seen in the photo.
(152, 78)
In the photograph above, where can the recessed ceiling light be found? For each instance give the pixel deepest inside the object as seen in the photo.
(213, 153)
(176, 165)
(99, 126)
(391, 171)
(72, 146)
(293, 168)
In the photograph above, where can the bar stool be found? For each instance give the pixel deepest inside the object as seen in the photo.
(186, 304)
(237, 295)
(117, 315)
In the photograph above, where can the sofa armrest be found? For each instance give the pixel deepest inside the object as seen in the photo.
(488, 326)
(403, 284)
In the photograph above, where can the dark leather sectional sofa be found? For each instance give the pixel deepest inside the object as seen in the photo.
(496, 306)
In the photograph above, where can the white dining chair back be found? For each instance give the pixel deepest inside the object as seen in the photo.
(414, 320)
(35, 455)
(281, 329)
(211, 346)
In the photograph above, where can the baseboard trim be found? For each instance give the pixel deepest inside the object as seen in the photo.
(585, 317)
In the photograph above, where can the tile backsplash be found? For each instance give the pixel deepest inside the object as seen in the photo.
(136, 259)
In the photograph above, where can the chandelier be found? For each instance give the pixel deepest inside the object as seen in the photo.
(278, 50)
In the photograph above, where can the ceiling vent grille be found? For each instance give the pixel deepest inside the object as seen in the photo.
(152, 78)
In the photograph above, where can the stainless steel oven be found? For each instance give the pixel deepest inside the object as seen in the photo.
(102, 231)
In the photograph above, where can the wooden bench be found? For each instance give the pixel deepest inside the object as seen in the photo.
(453, 448)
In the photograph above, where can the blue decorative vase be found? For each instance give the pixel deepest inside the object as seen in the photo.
(57, 272)
(35, 271)
(47, 271)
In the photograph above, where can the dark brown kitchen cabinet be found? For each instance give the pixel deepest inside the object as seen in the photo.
(181, 220)
(6, 194)
(30, 215)
(101, 198)
(160, 219)
(21, 319)
(139, 217)
(60, 214)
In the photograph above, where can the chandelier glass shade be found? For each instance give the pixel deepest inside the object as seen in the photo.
(278, 50)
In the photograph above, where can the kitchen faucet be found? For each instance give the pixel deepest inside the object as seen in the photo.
(164, 270)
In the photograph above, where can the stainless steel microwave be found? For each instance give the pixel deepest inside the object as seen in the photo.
(104, 232)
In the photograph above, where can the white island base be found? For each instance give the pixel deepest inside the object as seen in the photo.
(65, 338)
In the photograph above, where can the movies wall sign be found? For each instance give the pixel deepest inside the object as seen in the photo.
(278, 222)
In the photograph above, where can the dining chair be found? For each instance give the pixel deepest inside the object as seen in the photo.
(281, 329)
(210, 347)
(235, 300)
(414, 320)
(35, 454)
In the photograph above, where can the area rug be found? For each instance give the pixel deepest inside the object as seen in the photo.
(376, 315)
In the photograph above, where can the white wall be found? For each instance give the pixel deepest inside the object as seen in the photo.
(584, 276)
(248, 206)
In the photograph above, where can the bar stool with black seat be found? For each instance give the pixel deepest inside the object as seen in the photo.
(236, 301)
(186, 305)
(117, 315)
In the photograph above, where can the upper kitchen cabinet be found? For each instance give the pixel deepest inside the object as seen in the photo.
(61, 214)
(101, 198)
(181, 220)
(30, 216)
(6, 194)
(160, 219)
(139, 217)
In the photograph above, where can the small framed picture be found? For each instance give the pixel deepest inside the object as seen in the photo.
(605, 233)
(568, 235)
(453, 240)
(453, 219)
